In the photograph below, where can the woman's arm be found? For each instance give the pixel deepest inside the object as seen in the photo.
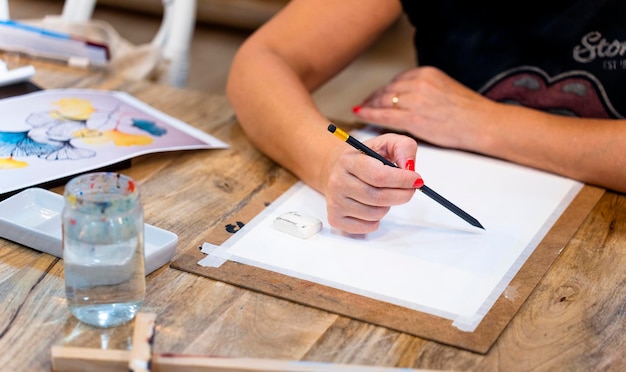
(277, 68)
(270, 85)
(434, 107)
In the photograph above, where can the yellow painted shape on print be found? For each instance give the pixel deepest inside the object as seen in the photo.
(73, 109)
(10, 163)
(127, 139)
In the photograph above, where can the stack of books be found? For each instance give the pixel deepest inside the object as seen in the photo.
(39, 42)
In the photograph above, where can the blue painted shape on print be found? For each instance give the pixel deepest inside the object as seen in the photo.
(18, 144)
(9, 141)
(149, 126)
(12, 137)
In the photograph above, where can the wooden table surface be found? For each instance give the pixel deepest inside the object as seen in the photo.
(574, 320)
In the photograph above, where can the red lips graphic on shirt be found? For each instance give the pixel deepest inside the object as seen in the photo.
(576, 93)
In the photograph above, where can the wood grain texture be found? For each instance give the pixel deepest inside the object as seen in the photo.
(574, 320)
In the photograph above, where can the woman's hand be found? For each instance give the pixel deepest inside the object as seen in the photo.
(430, 105)
(361, 190)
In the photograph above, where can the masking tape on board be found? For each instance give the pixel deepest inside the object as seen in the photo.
(216, 255)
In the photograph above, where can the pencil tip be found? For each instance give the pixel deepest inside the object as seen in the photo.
(332, 128)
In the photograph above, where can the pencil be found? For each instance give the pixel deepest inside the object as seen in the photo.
(344, 136)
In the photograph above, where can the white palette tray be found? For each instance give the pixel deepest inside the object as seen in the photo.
(33, 218)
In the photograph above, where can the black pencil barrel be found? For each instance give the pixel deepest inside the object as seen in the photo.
(450, 206)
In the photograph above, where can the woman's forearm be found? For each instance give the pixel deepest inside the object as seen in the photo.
(275, 71)
(590, 150)
(278, 114)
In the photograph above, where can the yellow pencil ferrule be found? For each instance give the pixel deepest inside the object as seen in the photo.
(341, 134)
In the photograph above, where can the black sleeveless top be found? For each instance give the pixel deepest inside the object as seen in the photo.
(561, 56)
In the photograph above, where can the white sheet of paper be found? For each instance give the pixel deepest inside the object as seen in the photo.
(423, 256)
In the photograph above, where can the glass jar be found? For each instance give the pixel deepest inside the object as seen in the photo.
(103, 248)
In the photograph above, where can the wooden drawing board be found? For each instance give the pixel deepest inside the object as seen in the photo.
(385, 314)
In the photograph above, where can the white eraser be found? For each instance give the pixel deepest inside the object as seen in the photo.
(296, 224)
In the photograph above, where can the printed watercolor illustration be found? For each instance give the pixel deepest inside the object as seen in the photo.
(56, 133)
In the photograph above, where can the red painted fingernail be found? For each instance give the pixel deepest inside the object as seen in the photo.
(410, 165)
(418, 183)
(356, 109)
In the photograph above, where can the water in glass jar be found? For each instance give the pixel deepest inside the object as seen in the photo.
(103, 249)
(103, 286)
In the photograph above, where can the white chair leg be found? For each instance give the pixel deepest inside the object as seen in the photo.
(180, 24)
(4, 10)
(78, 10)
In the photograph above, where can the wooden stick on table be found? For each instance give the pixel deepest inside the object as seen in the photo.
(143, 339)
(141, 358)
(70, 359)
